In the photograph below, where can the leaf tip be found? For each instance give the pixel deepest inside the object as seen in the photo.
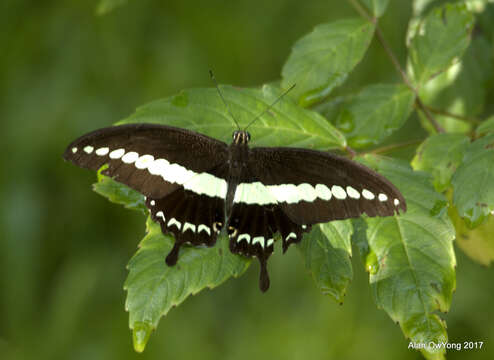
(140, 335)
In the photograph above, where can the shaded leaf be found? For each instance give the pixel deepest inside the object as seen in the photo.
(415, 257)
(153, 288)
(373, 114)
(440, 155)
(321, 60)
(439, 39)
(461, 89)
(378, 7)
(202, 110)
(477, 243)
(327, 250)
(472, 182)
(485, 127)
(118, 193)
(106, 6)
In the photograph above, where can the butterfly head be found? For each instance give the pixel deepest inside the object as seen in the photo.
(241, 137)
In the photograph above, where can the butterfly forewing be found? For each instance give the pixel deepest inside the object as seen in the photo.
(152, 159)
(315, 187)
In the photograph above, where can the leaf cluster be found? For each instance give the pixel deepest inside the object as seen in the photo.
(447, 180)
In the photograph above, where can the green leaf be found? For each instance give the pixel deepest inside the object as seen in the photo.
(439, 39)
(461, 89)
(118, 193)
(477, 243)
(321, 60)
(106, 6)
(415, 257)
(485, 127)
(202, 110)
(440, 155)
(378, 7)
(154, 288)
(327, 251)
(373, 114)
(472, 182)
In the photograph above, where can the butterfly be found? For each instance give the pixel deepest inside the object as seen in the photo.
(196, 186)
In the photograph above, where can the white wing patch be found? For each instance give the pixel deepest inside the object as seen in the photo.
(257, 193)
(199, 183)
(248, 193)
(382, 197)
(117, 154)
(130, 157)
(102, 151)
(253, 193)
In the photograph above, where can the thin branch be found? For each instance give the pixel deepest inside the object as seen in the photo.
(454, 116)
(398, 68)
(392, 147)
(428, 114)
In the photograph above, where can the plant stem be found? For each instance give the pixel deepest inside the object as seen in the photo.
(398, 68)
(454, 116)
(388, 148)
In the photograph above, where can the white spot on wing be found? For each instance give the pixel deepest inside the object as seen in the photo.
(117, 154)
(130, 157)
(306, 192)
(258, 239)
(152, 202)
(368, 195)
(323, 192)
(396, 202)
(253, 193)
(144, 161)
(175, 222)
(338, 192)
(158, 167)
(160, 214)
(102, 151)
(205, 228)
(190, 226)
(270, 242)
(284, 193)
(207, 184)
(176, 173)
(354, 194)
(74, 150)
(88, 149)
(382, 197)
(292, 235)
(244, 236)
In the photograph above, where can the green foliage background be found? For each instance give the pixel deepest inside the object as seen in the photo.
(63, 250)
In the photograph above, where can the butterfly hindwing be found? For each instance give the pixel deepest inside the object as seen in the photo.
(191, 218)
(252, 229)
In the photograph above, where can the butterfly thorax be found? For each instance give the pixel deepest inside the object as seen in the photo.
(238, 157)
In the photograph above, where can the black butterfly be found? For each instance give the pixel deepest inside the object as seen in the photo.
(195, 186)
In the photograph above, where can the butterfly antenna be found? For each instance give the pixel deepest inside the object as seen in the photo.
(271, 106)
(223, 99)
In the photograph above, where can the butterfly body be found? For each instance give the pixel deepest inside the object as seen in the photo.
(197, 186)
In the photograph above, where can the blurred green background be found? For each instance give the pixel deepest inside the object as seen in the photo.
(63, 248)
